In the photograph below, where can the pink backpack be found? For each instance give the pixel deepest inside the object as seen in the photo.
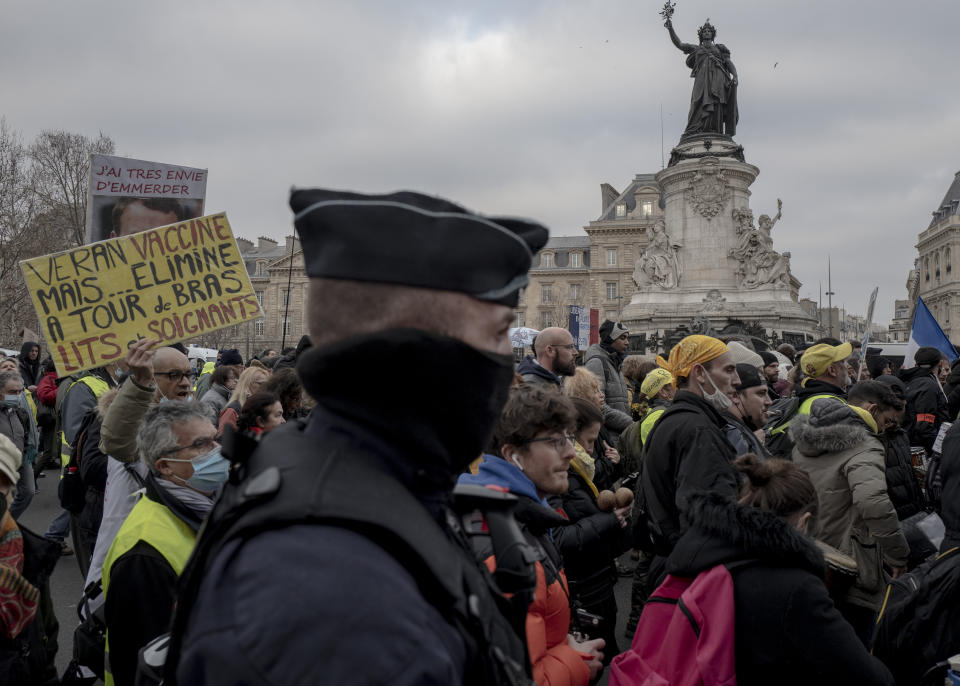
(684, 636)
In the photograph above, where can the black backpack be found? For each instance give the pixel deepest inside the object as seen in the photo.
(919, 624)
(779, 416)
(71, 489)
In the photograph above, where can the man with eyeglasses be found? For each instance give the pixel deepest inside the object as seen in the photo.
(556, 357)
(155, 376)
(184, 466)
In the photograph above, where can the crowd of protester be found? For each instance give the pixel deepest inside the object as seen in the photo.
(784, 516)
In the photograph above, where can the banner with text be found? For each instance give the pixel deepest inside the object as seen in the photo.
(169, 283)
(127, 195)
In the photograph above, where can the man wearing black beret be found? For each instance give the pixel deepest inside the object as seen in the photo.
(771, 372)
(926, 402)
(333, 555)
(748, 412)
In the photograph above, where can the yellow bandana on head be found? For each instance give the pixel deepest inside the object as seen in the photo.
(696, 349)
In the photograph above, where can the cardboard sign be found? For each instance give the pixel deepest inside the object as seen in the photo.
(169, 283)
(127, 195)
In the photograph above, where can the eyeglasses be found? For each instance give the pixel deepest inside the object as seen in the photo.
(201, 444)
(176, 374)
(556, 442)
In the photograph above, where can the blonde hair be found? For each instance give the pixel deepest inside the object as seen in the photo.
(247, 378)
(583, 384)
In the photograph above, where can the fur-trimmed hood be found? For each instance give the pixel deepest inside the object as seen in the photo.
(721, 531)
(830, 427)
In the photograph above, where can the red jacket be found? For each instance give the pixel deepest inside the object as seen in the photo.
(47, 389)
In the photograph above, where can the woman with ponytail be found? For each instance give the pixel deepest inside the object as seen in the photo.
(787, 630)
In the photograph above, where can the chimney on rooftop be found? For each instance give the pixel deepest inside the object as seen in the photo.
(264, 243)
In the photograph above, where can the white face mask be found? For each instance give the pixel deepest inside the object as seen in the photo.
(720, 401)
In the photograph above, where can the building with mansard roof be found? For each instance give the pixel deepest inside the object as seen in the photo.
(594, 269)
(938, 283)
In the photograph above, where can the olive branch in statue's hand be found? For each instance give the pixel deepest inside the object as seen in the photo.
(667, 12)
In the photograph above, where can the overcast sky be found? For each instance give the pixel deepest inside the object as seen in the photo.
(851, 110)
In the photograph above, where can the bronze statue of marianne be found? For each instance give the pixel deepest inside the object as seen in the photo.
(713, 104)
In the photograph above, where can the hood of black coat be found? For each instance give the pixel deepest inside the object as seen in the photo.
(817, 387)
(721, 532)
(908, 375)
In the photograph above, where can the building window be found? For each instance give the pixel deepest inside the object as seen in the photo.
(260, 298)
(285, 297)
(621, 210)
(286, 326)
(546, 260)
(260, 266)
(611, 257)
(521, 319)
(258, 328)
(574, 292)
(611, 290)
(949, 262)
(546, 293)
(646, 208)
(576, 260)
(546, 319)
(523, 292)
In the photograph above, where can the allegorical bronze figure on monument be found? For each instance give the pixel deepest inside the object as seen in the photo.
(713, 104)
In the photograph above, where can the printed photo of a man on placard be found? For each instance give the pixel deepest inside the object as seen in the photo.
(128, 196)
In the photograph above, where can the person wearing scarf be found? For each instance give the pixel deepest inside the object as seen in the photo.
(28, 625)
(176, 442)
(593, 539)
(528, 463)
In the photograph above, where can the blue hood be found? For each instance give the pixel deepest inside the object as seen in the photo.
(497, 472)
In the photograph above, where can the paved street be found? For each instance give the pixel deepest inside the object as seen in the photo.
(66, 584)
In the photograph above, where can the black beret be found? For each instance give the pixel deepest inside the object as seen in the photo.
(230, 356)
(768, 357)
(749, 377)
(927, 356)
(411, 239)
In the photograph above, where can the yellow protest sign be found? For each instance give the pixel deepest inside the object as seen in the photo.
(170, 283)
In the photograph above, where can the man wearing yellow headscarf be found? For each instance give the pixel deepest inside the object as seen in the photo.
(687, 450)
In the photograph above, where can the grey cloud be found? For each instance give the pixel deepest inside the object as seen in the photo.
(513, 107)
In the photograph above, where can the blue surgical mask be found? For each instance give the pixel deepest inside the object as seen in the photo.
(11, 401)
(210, 470)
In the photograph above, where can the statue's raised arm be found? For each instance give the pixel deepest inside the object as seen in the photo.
(686, 47)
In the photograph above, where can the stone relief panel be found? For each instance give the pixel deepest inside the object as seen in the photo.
(709, 191)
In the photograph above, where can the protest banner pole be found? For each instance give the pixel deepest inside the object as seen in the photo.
(866, 334)
(286, 309)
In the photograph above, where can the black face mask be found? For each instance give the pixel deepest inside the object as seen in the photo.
(435, 398)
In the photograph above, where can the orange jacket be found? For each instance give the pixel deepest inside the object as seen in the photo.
(554, 662)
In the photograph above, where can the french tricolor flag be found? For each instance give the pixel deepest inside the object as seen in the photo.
(926, 332)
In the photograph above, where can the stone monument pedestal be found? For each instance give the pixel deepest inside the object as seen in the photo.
(707, 259)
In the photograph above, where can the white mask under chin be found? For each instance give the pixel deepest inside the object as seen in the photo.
(719, 401)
